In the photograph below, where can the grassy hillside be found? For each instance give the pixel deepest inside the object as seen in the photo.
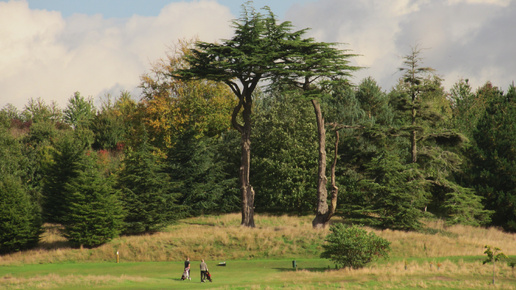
(442, 257)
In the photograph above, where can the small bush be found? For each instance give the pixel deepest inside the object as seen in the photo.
(353, 247)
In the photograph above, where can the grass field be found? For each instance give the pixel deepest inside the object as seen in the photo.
(260, 258)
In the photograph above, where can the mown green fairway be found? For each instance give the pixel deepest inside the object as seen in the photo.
(251, 274)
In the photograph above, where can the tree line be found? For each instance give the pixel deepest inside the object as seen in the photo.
(320, 144)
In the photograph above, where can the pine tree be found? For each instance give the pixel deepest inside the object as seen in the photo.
(198, 173)
(20, 216)
(63, 166)
(463, 206)
(146, 191)
(396, 192)
(413, 79)
(93, 214)
(493, 157)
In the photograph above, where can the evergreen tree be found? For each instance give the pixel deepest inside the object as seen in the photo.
(466, 107)
(93, 214)
(358, 147)
(20, 216)
(463, 206)
(79, 112)
(381, 188)
(413, 79)
(37, 149)
(147, 194)
(396, 192)
(198, 172)
(493, 157)
(424, 112)
(227, 154)
(374, 102)
(60, 169)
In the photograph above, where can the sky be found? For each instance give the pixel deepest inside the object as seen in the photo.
(50, 49)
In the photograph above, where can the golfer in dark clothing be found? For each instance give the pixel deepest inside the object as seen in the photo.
(204, 269)
(187, 267)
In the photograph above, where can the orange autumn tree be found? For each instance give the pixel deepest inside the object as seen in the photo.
(170, 107)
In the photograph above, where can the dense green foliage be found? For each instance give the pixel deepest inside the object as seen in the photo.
(285, 159)
(493, 158)
(353, 247)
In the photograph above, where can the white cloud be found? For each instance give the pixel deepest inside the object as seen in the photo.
(488, 2)
(44, 55)
(464, 38)
(368, 27)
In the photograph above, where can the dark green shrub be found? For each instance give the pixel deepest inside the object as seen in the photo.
(353, 247)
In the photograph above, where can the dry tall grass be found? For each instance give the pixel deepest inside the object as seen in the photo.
(415, 275)
(222, 238)
(456, 240)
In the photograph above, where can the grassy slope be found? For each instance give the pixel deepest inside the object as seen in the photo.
(259, 258)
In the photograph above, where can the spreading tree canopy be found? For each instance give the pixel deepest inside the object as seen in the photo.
(252, 55)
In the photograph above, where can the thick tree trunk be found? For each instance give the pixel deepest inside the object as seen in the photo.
(321, 216)
(246, 189)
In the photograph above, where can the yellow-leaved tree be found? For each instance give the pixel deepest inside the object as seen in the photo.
(171, 107)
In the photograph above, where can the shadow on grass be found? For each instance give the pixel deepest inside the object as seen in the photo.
(54, 245)
(199, 224)
(52, 238)
(315, 270)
